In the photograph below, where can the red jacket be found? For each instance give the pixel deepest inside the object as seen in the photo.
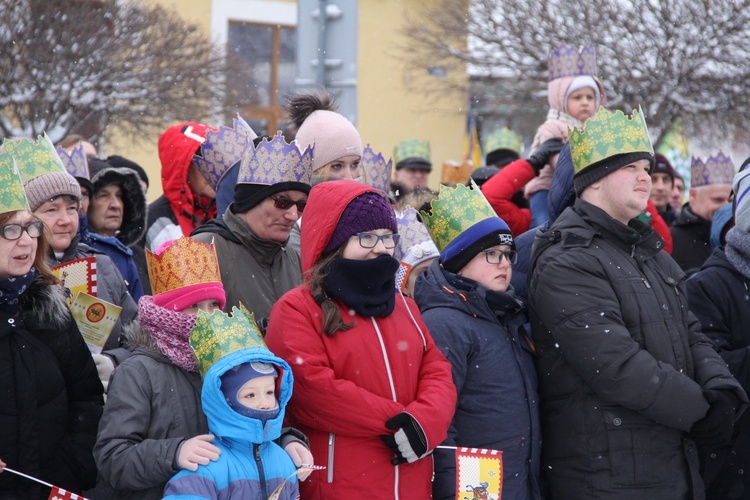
(347, 386)
(501, 187)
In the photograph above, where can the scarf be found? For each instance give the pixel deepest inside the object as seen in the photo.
(170, 330)
(11, 290)
(738, 250)
(367, 286)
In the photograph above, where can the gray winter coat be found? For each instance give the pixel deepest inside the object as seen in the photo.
(152, 407)
(622, 362)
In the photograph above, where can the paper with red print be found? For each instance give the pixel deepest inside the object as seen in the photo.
(77, 276)
(479, 474)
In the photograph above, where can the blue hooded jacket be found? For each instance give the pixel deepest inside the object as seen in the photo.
(250, 466)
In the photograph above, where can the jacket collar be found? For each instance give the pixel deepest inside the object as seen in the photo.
(264, 251)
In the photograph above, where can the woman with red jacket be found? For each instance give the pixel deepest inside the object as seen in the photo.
(372, 392)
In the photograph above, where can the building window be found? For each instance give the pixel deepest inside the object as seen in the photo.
(261, 60)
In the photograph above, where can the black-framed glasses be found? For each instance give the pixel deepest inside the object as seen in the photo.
(13, 232)
(369, 240)
(284, 203)
(496, 256)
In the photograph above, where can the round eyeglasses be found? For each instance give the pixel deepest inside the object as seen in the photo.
(369, 240)
(496, 256)
(284, 203)
(13, 232)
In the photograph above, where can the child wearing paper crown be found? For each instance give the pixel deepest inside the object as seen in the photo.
(245, 391)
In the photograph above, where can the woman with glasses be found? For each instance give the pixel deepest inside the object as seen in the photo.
(469, 305)
(51, 398)
(372, 392)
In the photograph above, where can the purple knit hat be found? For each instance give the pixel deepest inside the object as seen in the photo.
(366, 212)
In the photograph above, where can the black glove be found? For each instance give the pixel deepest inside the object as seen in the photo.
(540, 156)
(409, 442)
(716, 428)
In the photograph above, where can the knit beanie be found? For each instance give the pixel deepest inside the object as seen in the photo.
(233, 380)
(48, 186)
(332, 135)
(366, 212)
(248, 196)
(119, 161)
(603, 168)
(481, 236)
(741, 187)
(663, 166)
(581, 82)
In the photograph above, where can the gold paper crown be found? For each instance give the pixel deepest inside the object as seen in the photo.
(185, 262)
(12, 195)
(34, 158)
(218, 334)
(504, 138)
(454, 211)
(608, 134)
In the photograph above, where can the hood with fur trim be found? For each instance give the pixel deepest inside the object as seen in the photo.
(133, 226)
(44, 304)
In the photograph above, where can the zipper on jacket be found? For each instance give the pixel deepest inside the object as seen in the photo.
(261, 472)
(645, 282)
(331, 442)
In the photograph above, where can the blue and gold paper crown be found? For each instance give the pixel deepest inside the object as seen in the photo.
(717, 169)
(504, 138)
(570, 61)
(275, 161)
(411, 148)
(454, 211)
(34, 158)
(219, 334)
(376, 171)
(608, 134)
(75, 161)
(12, 194)
(222, 149)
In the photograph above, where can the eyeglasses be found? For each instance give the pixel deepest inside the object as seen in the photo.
(369, 240)
(496, 256)
(13, 232)
(284, 203)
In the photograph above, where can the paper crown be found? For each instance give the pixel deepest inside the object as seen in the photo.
(411, 148)
(571, 61)
(12, 194)
(222, 149)
(717, 169)
(75, 162)
(608, 134)
(376, 171)
(185, 262)
(219, 334)
(454, 211)
(275, 161)
(34, 158)
(504, 138)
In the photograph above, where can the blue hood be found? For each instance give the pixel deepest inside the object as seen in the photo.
(227, 424)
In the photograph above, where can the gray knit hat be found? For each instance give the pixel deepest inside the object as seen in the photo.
(48, 186)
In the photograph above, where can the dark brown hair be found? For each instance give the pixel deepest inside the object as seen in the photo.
(40, 259)
(332, 320)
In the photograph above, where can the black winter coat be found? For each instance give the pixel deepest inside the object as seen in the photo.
(50, 397)
(621, 361)
(691, 240)
(719, 296)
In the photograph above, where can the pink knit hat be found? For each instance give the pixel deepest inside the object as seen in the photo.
(332, 135)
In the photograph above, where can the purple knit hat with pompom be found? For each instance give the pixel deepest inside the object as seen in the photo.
(366, 212)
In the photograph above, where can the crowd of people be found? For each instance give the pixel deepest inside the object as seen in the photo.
(568, 309)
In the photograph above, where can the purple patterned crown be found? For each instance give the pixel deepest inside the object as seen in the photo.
(570, 61)
(377, 172)
(414, 245)
(75, 162)
(222, 149)
(275, 161)
(717, 169)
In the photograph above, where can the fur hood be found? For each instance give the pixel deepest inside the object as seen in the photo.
(43, 305)
(136, 336)
(133, 198)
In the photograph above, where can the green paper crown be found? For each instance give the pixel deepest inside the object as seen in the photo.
(12, 195)
(218, 334)
(34, 158)
(504, 138)
(608, 134)
(411, 148)
(454, 211)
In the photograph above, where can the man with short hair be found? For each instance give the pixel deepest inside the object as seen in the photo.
(627, 382)
(257, 267)
(412, 169)
(662, 184)
(710, 187)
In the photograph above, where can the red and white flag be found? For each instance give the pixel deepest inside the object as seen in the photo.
(60, 494)
(479, 474)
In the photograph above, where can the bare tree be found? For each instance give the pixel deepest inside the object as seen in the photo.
(686, 59)
(77, 66)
